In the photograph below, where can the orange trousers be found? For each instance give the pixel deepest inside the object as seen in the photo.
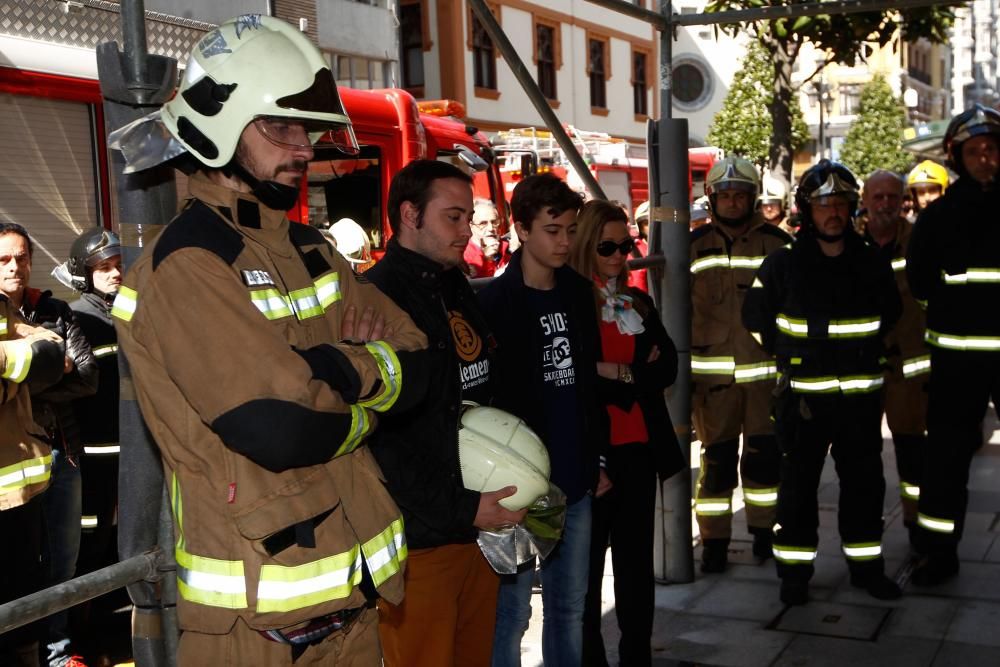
(448, 613)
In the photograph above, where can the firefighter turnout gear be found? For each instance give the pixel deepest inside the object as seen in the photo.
(88, 250)
(733, 379)
(824, 318)
(976, 121)
(953, 265)
(232, 325)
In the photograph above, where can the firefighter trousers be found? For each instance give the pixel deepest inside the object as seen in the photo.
(721, 414)
(906, 414)
(960, 389)
(850, 428)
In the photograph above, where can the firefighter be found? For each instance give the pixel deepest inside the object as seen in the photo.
(733, 377)
(773, 202)
(260, 363)
(926, 182)
(908, 357)
(822, 306)
(954, 266)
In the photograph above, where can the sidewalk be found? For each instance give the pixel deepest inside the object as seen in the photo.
(735, 618)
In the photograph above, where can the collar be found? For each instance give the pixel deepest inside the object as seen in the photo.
(242, 208)
(415, 265)
(756, 220)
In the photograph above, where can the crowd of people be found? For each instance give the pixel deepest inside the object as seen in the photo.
(308, 416)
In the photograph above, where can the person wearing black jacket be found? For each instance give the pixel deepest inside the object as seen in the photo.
(52, 407)
(448, 614)
(953, 265)
(638, 362)
(823, 307)
(541, 313)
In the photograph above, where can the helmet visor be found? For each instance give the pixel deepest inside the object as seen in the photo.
(304, 133)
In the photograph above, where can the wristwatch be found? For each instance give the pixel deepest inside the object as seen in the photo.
(625, 374)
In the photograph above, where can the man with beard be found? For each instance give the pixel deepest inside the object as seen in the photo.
(733, 377)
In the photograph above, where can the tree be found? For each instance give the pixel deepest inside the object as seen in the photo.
(843, 37)
(743, 125)
(874, 138)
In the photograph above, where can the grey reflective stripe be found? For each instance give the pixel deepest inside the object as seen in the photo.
(88, 521)
(105, 350)
(856, 328)
(862, 551)
(761, 497)
(899, 264)
(858, 384)
(103, 449)
(917, 366)
(794, 555)
(964, 343)
(792, 326)
(936, 525)
(712, 365)
(724, 262)
(909, 490)
(713, 506)
(764, 370)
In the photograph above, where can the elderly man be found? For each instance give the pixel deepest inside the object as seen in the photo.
(484, 253)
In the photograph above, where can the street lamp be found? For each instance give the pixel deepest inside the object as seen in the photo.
(825, 101)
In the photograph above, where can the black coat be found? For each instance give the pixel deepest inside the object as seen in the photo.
(418, 449)
(650, 380)
(52, 404)
(518, 386)
(98, 414)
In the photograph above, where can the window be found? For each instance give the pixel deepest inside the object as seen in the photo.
(347, 187)
(597, 71)
(640, 83)
(849, 99)
(545, 57)
(484, 63)
(411, 39)
(354, 72)
(689, 83)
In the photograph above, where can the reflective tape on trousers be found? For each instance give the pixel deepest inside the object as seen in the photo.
(933, 524)
(963, 343)
(917, 366)
(977, 275)
(862, 551)
(761, 497)
(102, 450)
(712, 506)
(794, 555)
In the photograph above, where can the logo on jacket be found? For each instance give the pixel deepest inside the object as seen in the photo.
(468, 344)
(257, 277)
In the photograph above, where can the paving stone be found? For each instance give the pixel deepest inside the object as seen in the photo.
(815, 651)
(845, 621)
(746, 600)
(706, 640)
(976, 623)
(951, 654)
(920, 617)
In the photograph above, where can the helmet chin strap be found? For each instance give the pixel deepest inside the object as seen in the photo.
(734, 222)
(271, 194)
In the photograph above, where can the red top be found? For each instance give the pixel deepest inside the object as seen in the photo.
(626, 426)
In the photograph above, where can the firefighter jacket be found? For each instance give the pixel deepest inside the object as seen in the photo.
(953, 265)
(905, 348)
(25, 456)
(97, 414)
(231, 323)
(824, 318)
(722, 269)
(418, 450)
(52, 406)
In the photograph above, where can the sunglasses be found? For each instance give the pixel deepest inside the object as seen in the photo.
(608, 248)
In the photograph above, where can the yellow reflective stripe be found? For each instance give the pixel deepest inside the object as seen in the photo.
(856, 384)
(18, 361)
(701, 365)
(978, 275)
(125, 304)
(713, 506)
(328, 289)
(88, 521)
(935, 525)
(710, 262)
(917, 366)
(766, 497)
(899, 264)
(105, 350)
(793, 555)
(101, 450)
(792, 326)
(861, 384)
(3, 326)
(391, 372)
(360, 426)
(305, 303)
(862, 551)
(284, 588)
(745, 262)
(818, 385)
(209, 581)
(854, 328)
(764, 370)
(271, 303)
(964, 343)
(386, 552)
(25, 473)
(909, 490)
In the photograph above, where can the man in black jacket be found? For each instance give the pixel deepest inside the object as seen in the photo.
(543, 316)
(823, 306)
(953, 266)
(448, 614)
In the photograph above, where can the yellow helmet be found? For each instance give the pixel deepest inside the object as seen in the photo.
(928, 172)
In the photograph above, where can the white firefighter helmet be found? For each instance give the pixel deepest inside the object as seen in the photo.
(351, 241)
(497, 449)
(772, 191)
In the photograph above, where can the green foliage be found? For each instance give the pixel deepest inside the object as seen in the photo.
(874, 139)
(743, 125)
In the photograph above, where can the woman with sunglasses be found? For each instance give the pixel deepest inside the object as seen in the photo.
(638, 361)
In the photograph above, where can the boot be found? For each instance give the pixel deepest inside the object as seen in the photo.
(794, 591)
(935, 570)
(714, 555)
(877, 585)
(763, 543)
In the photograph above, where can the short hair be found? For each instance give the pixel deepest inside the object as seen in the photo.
(413, 182)
(542, 192)
(14, 228)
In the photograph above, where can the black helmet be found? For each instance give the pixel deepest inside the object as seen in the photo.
(823, 179)
(89, 249)
(970, 123)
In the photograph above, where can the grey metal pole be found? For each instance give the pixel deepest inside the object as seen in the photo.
(535, 95)
(670, 236)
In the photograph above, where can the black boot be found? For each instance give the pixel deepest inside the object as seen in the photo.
(877, 585)
(794, 591)
(714, 555)
(763, 543)
(936, 570)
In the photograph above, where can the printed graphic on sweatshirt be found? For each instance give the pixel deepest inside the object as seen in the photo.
(473, 360)
(557, 355)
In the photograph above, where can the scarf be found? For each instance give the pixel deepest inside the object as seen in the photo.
(618, 308)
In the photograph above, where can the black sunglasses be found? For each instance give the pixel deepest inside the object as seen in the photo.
(608, 248)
